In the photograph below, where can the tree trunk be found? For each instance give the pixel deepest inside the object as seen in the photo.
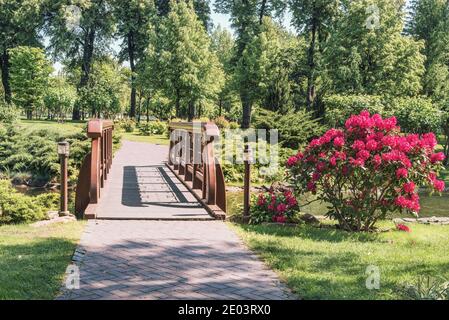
(262, 11)
(5, 76)
(29, 114)
(191, 110)
(88, 51)
(139, 107)
(247, 106)
(310, 103)
(178, 104)
(147, 103)
(131, 49)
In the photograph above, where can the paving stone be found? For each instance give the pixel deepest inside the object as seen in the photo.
(223, 268)
(170, 259)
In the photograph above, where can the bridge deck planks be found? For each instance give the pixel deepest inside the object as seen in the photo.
(140, 186)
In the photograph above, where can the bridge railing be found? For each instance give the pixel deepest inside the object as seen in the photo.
(95, 168)
(192, 160)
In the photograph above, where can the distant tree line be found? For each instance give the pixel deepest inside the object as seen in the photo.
(172, 61)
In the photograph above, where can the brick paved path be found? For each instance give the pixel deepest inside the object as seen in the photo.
(161, 257)
(169, 260)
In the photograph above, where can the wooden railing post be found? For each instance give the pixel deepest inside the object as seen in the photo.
(196, 166)
(95, 168)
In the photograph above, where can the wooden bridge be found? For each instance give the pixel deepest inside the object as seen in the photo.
(152, 182)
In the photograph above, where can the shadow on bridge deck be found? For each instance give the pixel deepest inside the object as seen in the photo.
(140, 186)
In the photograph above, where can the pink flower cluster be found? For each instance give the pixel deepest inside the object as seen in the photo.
(278, 205)
(370, 151)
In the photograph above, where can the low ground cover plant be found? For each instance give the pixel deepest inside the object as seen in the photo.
(274, 206)
(19, 208)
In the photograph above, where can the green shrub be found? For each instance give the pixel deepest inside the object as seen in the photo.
(128, 125)
(222, 123)
(340, 107)
(414, 114)
(417, 115)
(18, 208)
(153, 127)
(48, 201)
(8, 113)
(35, 153)
(295, 128)
(233, 125)
(261, 170)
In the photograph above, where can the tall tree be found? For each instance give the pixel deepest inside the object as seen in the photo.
(281, 54)
(314, 19)
(247, 16)
(136, 20)
(79, 31)
(374, 60)
(202, 9)
(429, 22)
(30, 72)
(102, 95)
(222, 43)
(191, 70)
(20, 21)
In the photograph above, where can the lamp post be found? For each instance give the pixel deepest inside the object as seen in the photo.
(247, 159)
(63, 151)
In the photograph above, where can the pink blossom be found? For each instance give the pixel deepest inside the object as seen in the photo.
(320, 166)
(401, 173)
(341, 155)
(439, 185)
(333, 161)
(292, 161)
(358, 145)
(402, 227)
(339, 142)
(437, 157)
(281, 208)
(316, 176)
(363, 154)
(377, 160)
(357, 162)
(261, 200)
(311, 186)
(371, 145)
(409, 187)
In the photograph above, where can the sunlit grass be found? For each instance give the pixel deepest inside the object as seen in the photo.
(33, 260)
(137, 137)
(66, 128)
(331, 264)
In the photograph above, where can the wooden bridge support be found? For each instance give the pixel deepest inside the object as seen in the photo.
(95, 168)
(192, 160)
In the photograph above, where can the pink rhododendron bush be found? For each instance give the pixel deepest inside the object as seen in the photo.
(274, 207)
(367, 169)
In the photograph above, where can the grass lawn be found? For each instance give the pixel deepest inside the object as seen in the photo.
(137, 137)
(33, 260)
(68, 127)
(331, 264)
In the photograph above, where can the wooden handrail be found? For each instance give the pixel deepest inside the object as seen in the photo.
(198, 168)
(95, 168)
